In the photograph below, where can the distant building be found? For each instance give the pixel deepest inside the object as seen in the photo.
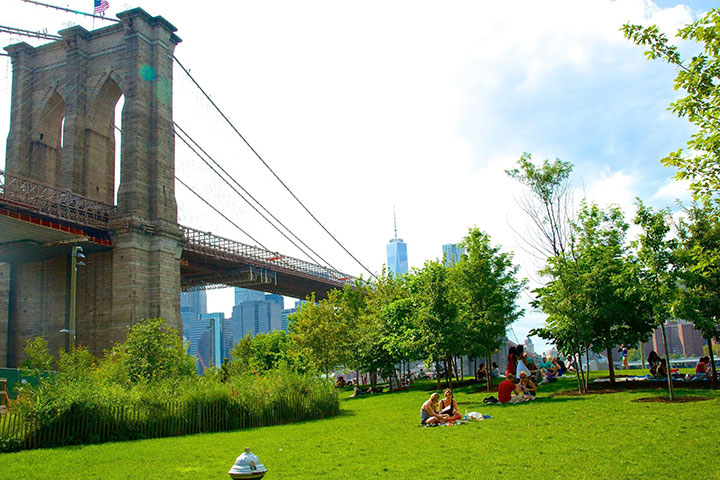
(397, 258)
(251, 318)
(247, 295)
(452, 253)
(529, 347)
(212, 342)
(192, 305)
(284, 320)
(682, 337)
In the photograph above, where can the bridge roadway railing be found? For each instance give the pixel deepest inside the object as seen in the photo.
(54, 202)
(213, 245)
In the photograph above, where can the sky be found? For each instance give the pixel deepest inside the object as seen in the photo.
(414, 105)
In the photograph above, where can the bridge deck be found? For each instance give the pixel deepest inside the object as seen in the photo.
(39, 221)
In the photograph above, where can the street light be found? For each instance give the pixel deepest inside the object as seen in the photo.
(76, 258)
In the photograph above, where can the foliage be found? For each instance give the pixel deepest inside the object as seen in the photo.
(699, 255)
(319, 333)
(486, 291)
(152, 351)
(549, 204)
(155, 388)
(265, 351)
(698, 78)
(39, 358)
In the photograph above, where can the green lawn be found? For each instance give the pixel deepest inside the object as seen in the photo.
(596, 436)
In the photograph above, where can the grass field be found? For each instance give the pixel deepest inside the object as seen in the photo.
(377, 436)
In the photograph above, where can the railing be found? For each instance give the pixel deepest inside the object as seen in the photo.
(224, 248)
(54, 202)
(60, 204)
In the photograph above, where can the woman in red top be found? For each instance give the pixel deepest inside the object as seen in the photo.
(512, 362)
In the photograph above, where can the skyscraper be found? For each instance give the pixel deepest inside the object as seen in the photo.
(452, 253)
(397, 259)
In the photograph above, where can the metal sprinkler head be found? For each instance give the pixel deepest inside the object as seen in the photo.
(247, 465)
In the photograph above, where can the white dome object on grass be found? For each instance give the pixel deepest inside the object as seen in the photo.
(247, 465)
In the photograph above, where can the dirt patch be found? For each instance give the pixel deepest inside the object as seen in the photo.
(685, 399)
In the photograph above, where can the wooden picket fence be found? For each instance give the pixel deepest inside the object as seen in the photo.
(83, 425)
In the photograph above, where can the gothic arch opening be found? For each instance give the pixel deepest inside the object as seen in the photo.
(46, 142)
(100, 155)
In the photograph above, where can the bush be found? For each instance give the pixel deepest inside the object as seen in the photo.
(147, 387)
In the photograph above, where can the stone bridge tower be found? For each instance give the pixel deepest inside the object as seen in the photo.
(63, 103)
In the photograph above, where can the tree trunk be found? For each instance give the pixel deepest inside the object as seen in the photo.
(587, 365)
(437, 373)
(448, 371)
(489, 372)
(462, 369)
(642, 355)
(577, 360)
(667, 364)
(611, 367)
(373, 379)
(712, 360)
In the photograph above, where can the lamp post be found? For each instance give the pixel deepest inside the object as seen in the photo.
(76, 258)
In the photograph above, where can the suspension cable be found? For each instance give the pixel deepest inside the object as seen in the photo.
(251, 196)
(219, 212)
(247, 201)
(268, 166)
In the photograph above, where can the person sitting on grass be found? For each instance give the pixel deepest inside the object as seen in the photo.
(527, 386)
(535, 372)
(508, 391)
(551, 372)
(496, 370)
(701, 369)
(653, 361)
(481, 373)
(428, 412)
(661, 368)
(340, 382)
(448, 406)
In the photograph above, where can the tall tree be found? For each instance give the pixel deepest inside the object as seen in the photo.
(486, 291)
(656, 253)
(699, 79)
(441, 334)
(319, 333)
(549, 205)
(699, 253)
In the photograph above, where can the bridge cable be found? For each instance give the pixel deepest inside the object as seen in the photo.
(268, 166)
(219, 212)
(209, 157)
(249, 203)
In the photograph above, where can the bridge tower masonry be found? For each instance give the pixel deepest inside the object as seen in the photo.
(62, 124)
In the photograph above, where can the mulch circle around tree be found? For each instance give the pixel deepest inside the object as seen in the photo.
(685, 399)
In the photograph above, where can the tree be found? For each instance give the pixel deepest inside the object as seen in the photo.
(549, 205)
(486, 290)
(699, 256)
(319, 333)
(263, 352)
(441, 335)
(152, 351)
(610, 280)
(656, 254)
(699, 78)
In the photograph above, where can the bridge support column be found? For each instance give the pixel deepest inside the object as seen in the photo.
(146, 276)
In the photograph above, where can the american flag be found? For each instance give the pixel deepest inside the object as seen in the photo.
(101, 6)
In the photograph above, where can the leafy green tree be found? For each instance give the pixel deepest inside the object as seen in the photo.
(610, 280)
(699, 253)
(38, 356)
(656, 254)
(263, 352)
(441, 334)
(153, 351)
(548, 204)
(698, 78)
(384, 330)
(319, 333)
(486, 291)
